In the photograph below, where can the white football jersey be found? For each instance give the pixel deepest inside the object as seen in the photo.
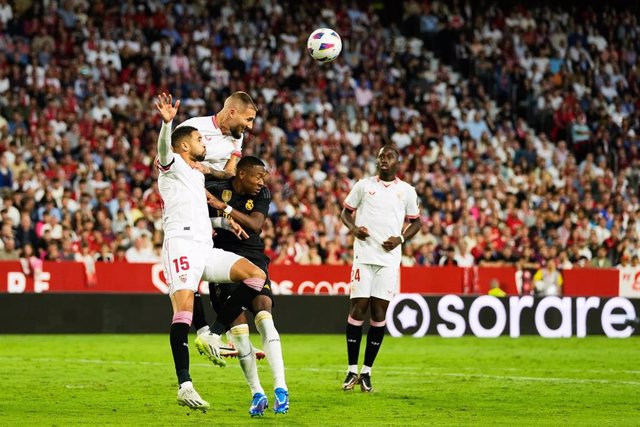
(219, 147)
(185, 212)
(381, 207)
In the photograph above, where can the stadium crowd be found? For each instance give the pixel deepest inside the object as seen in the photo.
(520, 128)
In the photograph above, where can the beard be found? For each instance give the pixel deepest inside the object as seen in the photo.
(200, 157)
(236, 132)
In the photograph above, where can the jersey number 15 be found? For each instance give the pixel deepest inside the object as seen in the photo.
(181, 263)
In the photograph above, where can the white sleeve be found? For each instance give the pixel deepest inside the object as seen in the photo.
(412, 211)
(238, 151)
(353, 199)
(165, 152)
(188, 122)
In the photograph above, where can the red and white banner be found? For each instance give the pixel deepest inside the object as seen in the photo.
(70, 277)
(630, 282)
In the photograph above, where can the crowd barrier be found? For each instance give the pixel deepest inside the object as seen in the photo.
(71, 277)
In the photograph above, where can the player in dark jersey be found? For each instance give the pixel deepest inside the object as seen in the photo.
(245, 199)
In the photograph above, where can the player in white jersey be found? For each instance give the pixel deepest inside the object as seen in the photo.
(223, 134)
(187, 252)
(381, 205)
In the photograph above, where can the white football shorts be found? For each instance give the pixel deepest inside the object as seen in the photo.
(377, 281)
(186, 263)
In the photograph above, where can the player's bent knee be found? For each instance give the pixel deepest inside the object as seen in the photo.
(379, 312)
(262, 303)
(359, 308)
(244, 269)
(357, 313)
(183, 300)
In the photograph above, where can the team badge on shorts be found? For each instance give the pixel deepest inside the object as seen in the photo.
(249, 205)
(183, 278)
(226, 195)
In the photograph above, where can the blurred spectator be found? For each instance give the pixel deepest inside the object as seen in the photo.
(495, 290)
(463, 257)
(601, 260)
(624, 261)
(105, 254)
(142, 250)
(548, 280)
(9, 251)
(448, 258)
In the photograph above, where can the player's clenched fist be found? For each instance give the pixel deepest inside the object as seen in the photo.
(360, 232)
(391, 243)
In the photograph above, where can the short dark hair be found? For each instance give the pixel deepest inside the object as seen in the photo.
(390, 147)
(249, 162)
(180, 133)
(244, 98)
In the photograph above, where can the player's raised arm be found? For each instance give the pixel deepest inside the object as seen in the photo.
(216, 174)
(168, 112)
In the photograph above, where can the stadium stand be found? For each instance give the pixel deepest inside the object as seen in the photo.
(520, 128)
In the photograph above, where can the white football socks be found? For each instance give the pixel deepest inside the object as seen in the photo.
(272, 347)
(247, 357)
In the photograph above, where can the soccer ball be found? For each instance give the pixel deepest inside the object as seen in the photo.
(324, 45)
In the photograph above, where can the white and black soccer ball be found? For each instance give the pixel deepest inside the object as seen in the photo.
(324, 45)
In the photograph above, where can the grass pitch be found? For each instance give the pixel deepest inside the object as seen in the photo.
(61, 380)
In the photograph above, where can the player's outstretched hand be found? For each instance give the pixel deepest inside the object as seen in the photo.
(237, 229)
(361, 232)
(166, 107)
(391, 243)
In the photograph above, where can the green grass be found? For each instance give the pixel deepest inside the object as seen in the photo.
(129, 380)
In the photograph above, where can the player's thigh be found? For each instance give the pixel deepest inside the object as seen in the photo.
(218, 265)
(220, 293)
(385, 282)
(360, 284)
(379, 309)
(183, 264)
